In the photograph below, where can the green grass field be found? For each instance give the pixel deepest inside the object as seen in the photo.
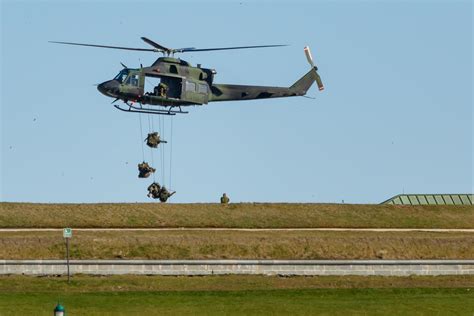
(238, 295)
(251, 215)
(261, 302)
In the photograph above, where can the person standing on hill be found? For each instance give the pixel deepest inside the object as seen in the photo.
(224, 199)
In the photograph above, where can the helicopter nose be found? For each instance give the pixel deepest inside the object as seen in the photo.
(109, 88)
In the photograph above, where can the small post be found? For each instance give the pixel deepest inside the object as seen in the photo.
(59, 310)
(67, 260)
(67, 234)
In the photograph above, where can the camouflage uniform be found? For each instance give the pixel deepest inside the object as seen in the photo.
(224, 199)
(161, 90)
(153, 140)
(144, 170)
(154, 190)
(165, 194)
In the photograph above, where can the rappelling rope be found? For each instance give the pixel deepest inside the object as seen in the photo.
(150, 128)
(153, 164)
(141, 136)
(161, 148)
(171, 149)
(152, 123)
(162, 131)
(151, 149)
(149, 123)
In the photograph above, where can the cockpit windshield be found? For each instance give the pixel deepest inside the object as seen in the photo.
(122, 75)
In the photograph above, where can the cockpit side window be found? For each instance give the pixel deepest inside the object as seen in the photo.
(133, 80)
(122, 75)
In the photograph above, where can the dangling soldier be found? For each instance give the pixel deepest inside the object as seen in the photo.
(144, 170)
(154, 190)
(165, 194)
(153, 140)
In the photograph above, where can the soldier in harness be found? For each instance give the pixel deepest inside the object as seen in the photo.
(165, 194)
(155, 191)
(153, 140)
(144, 170)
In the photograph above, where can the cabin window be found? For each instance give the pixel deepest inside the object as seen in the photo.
(133, 80)
(173, 69)
(190, 86)
(202, 88)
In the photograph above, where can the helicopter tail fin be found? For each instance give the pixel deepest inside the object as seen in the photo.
(302, 85)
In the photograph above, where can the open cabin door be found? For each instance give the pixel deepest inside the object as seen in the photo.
(172, 84)
(159, 88)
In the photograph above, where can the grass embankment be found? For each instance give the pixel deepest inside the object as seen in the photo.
(244, 215)
(238, 295)
(127, 283)
(238, 245)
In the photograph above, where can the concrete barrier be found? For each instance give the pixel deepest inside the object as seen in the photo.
(266, 267)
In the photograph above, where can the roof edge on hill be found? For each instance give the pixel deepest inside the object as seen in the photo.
(432, 199)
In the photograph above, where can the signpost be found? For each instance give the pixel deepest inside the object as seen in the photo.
(67, 234)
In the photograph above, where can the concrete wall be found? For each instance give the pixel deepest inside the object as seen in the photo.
(267, 267)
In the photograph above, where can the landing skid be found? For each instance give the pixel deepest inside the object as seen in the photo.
(134, 109)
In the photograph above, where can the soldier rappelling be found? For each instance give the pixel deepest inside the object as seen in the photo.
(153, 140)
(144, 170)
(165, 194)
(155, 191)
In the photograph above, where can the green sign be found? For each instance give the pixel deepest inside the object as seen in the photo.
(67, 232)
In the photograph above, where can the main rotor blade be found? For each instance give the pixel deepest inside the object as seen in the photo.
(105, 46)
(156, 45)
(178, 50)
(184, 50)
(163, 49)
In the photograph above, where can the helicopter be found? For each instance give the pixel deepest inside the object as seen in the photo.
(172, 83)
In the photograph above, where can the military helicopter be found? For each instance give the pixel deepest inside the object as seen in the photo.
(171, 82)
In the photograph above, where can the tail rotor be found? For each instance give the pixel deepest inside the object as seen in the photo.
(309, 57)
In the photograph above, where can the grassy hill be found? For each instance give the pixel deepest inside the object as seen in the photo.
(238, 245)
(245, 215)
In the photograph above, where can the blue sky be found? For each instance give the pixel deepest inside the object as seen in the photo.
(396, 115)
